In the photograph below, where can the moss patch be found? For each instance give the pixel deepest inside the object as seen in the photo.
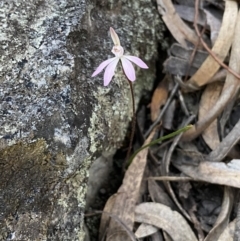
(28, 173)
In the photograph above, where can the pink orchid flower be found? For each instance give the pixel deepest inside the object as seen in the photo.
(111, 64)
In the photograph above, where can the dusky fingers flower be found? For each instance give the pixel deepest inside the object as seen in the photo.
(126, 60)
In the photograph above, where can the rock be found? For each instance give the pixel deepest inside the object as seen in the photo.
(56, 119)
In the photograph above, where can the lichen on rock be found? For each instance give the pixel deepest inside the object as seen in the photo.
(55, 119)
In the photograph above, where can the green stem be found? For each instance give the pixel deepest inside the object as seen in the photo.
(159, 140)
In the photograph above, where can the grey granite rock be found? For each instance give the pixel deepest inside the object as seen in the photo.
(54, 118)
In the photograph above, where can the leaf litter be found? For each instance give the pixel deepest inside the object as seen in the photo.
(193, 179)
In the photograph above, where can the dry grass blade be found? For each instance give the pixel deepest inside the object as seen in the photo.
(127, 196)
(180, 31)
(208, 100)
(221, 46)
(229, 91)
(223, 218)
(213, 172)
(163, 217)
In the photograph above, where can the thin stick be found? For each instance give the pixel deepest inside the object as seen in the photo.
(133, 122)
(171, 178)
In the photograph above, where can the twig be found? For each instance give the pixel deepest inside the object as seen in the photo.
(171, 178)
(193, 55)
(182, 103)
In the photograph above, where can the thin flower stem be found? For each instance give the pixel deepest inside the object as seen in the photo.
(133, 122)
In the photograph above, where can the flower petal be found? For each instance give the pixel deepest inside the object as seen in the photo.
(137, 61)
(128, 68)
(102, 66)
(115, 37)
(109, 72)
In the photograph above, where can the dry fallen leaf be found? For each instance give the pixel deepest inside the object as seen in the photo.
(221, 46)
(208, 100)
(213, 172)
(228, 232)
(187, 13)
(214, 20)
(180, 31)
(163, 217)
(226, 145)
(229, 91)
(179, 66)
(185, 54)
(105, 219)
(159, 98)
(166, 236)
(127, 196)
(223, 218)
(158, 194)
(158, 237)
(145, 230)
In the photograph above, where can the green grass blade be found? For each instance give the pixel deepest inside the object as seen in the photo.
(175, 133)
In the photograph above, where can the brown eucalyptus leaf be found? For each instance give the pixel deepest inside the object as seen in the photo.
(208, 100)
(159, 98)
(230, 88)
(185, 54)
(131, 236)
(105, 218)
(214, 20)
(221, 46)
(158, 194)
(187, 13)
(178, 66)
(163, 217)
(223, 218)
(226, 145)
(127, 196)
(145, 230)
(167, 237)
(158, 237)
(228, 233)
(213, 172)
(180, 31)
